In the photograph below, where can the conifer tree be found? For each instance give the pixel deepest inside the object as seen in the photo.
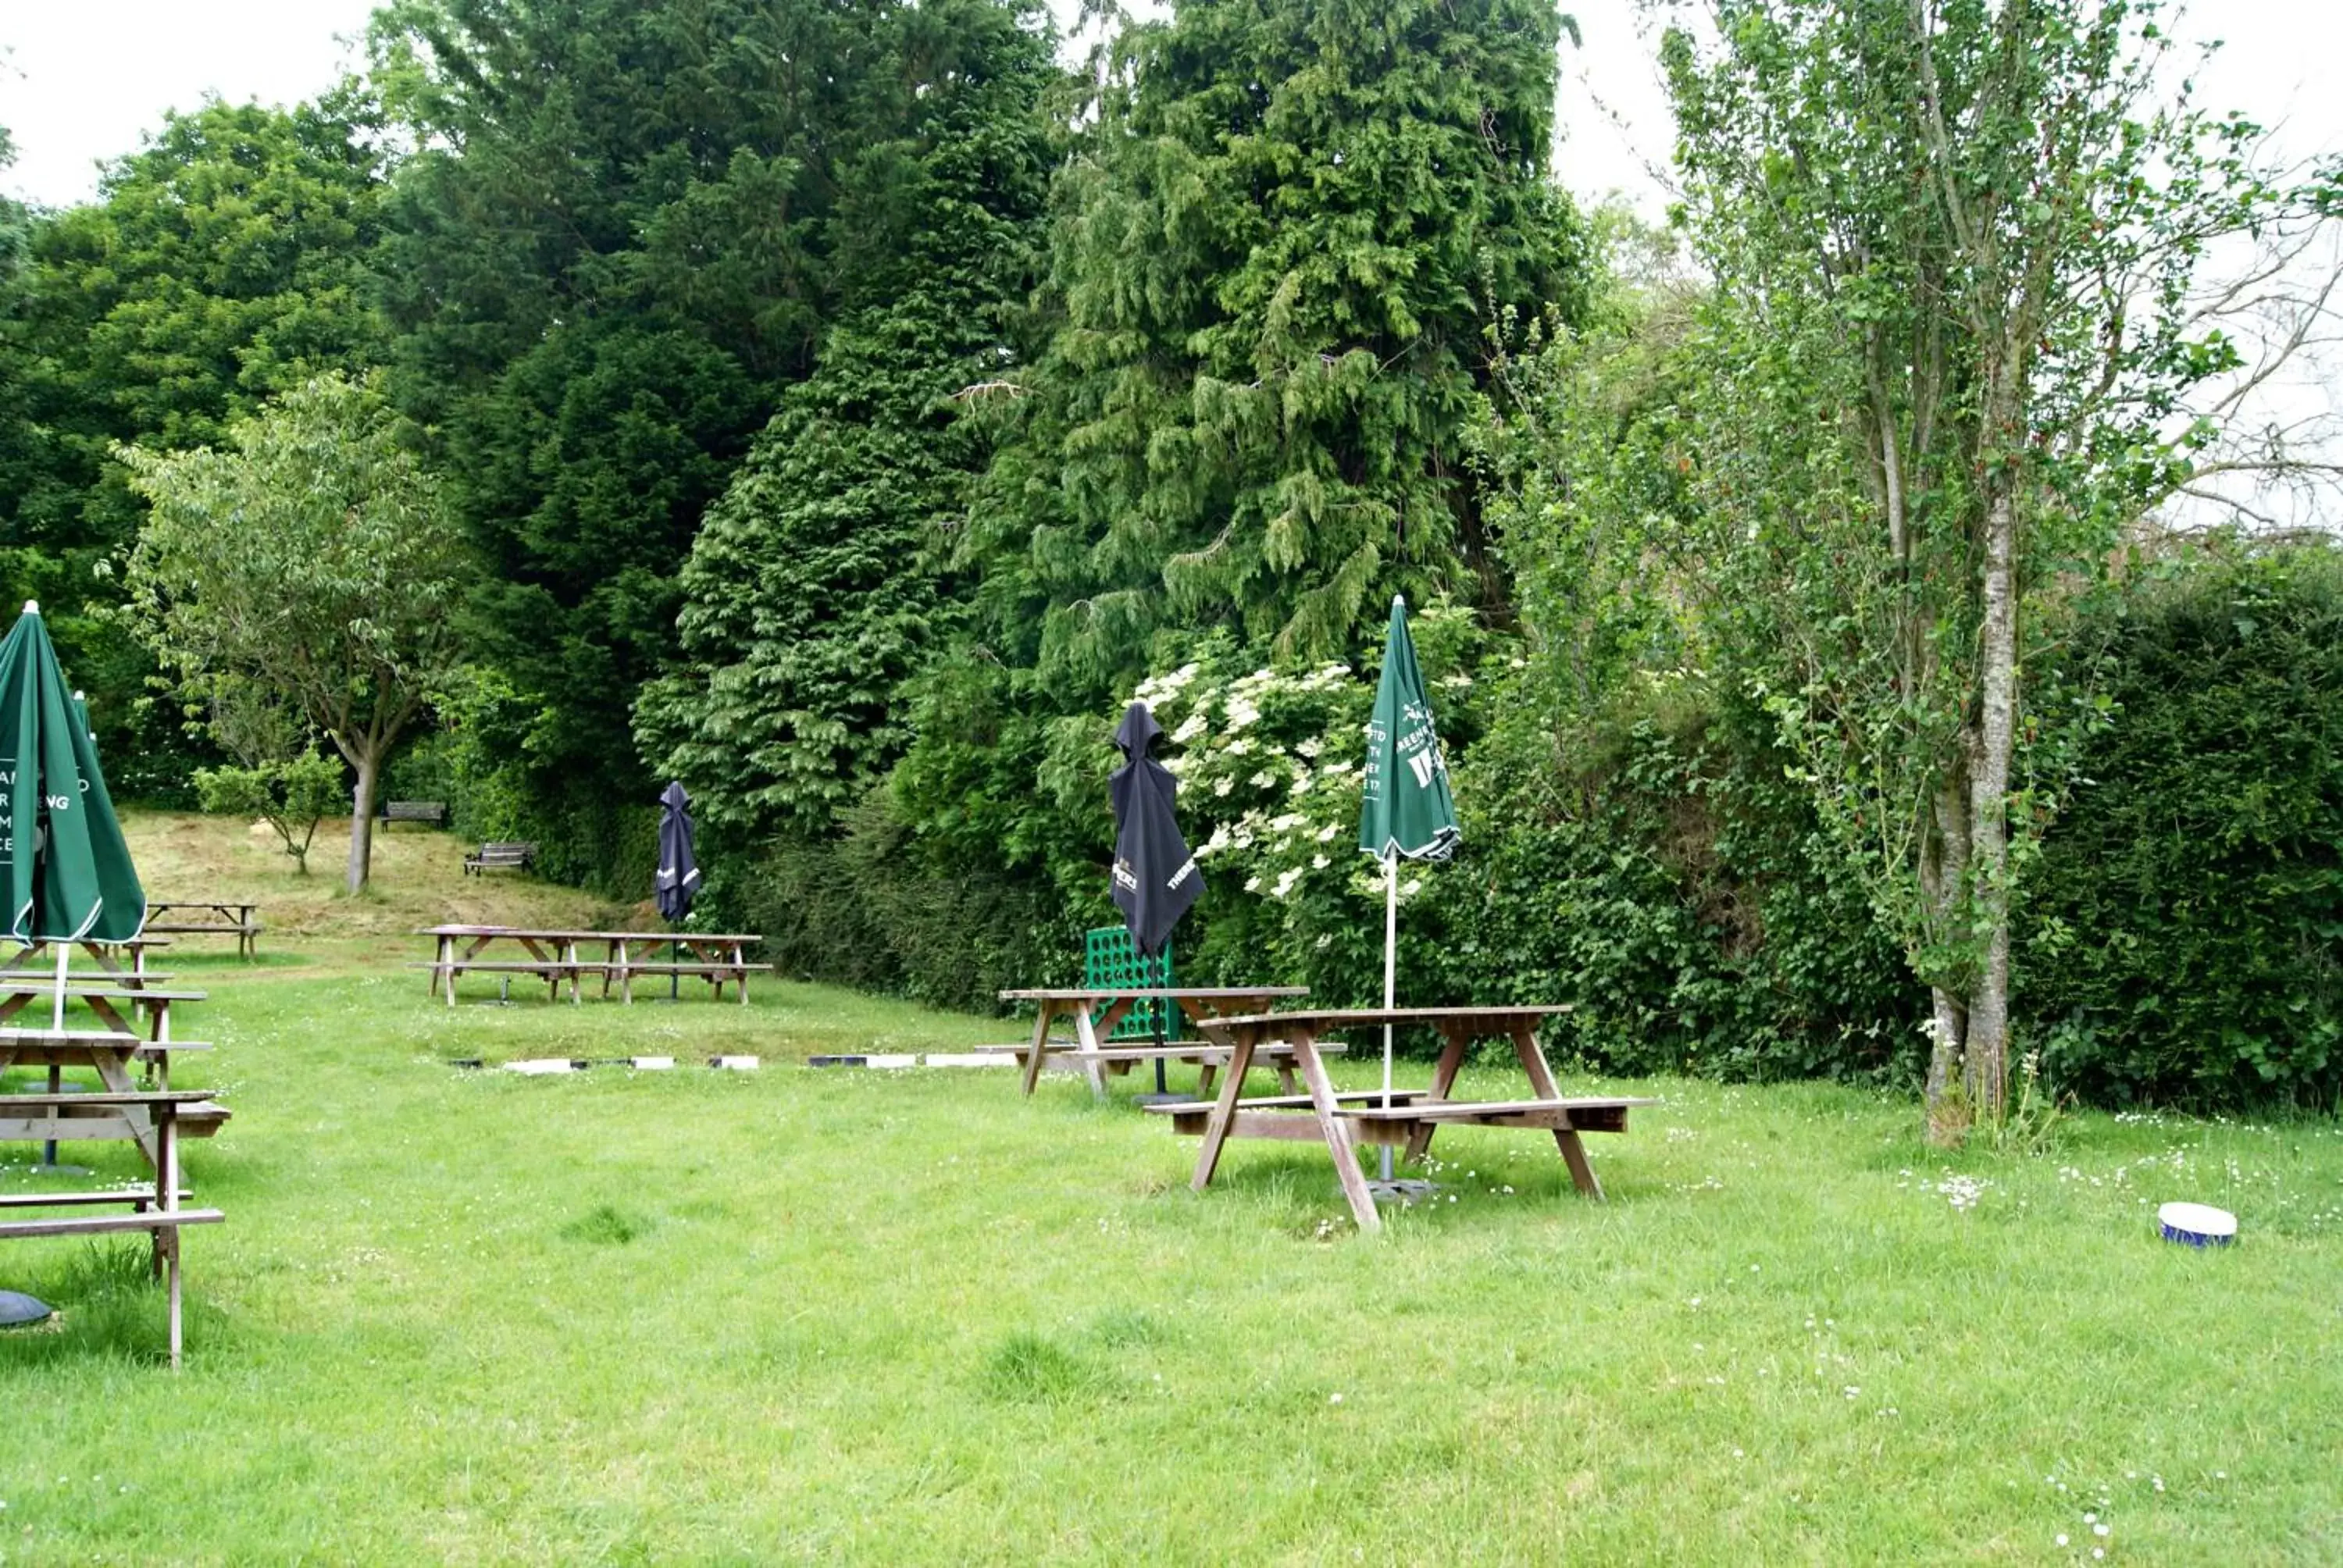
(812, 588)
(1275, 270)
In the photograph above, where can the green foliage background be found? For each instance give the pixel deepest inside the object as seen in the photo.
(848, 409)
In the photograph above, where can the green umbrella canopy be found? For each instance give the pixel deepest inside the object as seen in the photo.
(65, 872)
(1406, 809)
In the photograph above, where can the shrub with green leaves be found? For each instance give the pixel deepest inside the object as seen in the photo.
(2184, 937)
(291, 796)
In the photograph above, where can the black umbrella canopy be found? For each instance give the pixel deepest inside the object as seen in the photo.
(1155, 877)
(677, 882)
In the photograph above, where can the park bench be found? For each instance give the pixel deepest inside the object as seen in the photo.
(431, 812)
(199, 918)
(154, 1210)
(495, 855)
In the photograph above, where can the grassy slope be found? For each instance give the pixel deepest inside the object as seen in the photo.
(792, 1315)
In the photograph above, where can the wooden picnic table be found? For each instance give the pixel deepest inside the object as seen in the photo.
(19, 990)
(111, 1054)
(168, 1114)
(1342, 1121)
(196, 917)
(556, 955)
(1096, 1010)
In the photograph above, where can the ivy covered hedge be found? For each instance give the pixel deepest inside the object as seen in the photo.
(2184, 940)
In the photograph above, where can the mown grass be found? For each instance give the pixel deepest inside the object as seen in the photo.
(713, 1317)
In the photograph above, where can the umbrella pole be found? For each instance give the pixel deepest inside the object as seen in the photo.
(58, 1018)
(1157, 1009)
(1390, 977)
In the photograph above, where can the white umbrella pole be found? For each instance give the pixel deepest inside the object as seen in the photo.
(1390, 977)
(57, 1019)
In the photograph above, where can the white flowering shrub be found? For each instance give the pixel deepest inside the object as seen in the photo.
(1269, 764)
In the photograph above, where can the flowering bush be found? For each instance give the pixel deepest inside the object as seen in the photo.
(1269, 764)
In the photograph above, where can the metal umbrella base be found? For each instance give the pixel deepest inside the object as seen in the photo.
(17, 1309)
(1405, 1190)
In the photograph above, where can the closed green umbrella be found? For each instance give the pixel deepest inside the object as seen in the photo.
(1406, 809)
(65, 874)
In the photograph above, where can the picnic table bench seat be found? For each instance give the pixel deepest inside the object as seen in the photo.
(434, 812)
(154, 1210)
(501, 855)
(136, 1195)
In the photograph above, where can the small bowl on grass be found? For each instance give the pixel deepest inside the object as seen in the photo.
(2198, 1224)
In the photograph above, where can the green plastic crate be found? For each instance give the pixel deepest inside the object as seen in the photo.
(1110, 961)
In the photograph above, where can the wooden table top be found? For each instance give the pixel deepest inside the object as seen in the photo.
(567, 936)
(1153, 993)
(13, 985)
(1494, 1017)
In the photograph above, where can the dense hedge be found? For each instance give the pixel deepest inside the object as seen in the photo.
(1661, 877)
(2182, 939)
(861, 910)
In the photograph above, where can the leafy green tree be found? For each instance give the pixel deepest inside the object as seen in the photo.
(813, 590)
(291, 796)
(312, 560)
(1276, 268)
(1952, 340)
(220, 263)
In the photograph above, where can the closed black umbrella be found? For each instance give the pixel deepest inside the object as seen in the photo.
(1155, 877)
(677, 882)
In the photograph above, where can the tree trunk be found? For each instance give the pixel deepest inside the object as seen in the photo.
(368, 763)
(1944, 878)
(1986, 1054)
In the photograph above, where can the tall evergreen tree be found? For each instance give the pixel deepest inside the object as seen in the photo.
(620, 242)
(811, 590)
(1275, 268)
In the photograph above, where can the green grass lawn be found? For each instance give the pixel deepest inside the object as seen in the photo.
(839, 1315)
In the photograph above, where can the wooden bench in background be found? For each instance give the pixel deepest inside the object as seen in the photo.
(497, 855)
(433, 813)
(192, 917)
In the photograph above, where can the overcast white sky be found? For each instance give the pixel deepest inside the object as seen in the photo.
(82, 80)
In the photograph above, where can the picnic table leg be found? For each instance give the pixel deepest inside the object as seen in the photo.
(1286, 1078)
(1224, 1109)
(1541, 1075)
(1040, 1044)
(167, 1193)
(114, 1072)
(1443, 1079)
(1205, 1077)
(1337, 1132)
(1087, 1043)
(740, 974)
